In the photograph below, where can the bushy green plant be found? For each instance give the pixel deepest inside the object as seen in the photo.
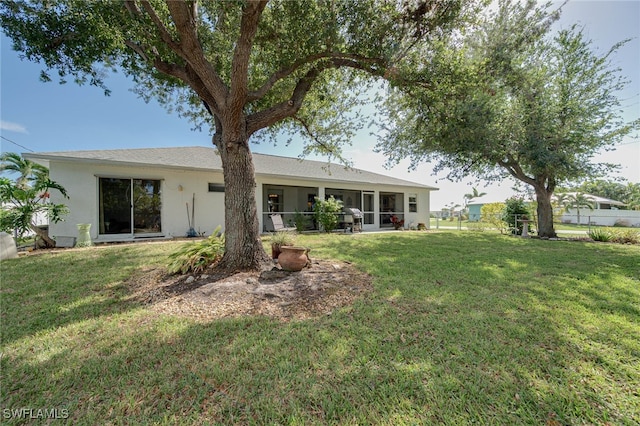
(515, 210)
(491, 213)
(283, 238)
(626, 236)
(622, 223)
(196, 256)
(300, 220)
(326, 213)
(600, 234)
(615, 235)
(28, 197)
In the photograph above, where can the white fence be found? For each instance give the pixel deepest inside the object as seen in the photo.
(627, 218)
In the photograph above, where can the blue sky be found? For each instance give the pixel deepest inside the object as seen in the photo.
(52, 117)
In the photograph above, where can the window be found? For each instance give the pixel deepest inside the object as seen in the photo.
(216, 187)
(413, 203)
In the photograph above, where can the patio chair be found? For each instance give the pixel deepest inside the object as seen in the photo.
(278, 225)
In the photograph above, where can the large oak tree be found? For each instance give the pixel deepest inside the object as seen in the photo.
(252, 66)
(511, 98)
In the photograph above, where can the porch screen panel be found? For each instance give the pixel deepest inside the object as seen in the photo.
(368, 208)
(391, 204)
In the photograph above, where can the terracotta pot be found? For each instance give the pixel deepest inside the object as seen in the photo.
(293, 258)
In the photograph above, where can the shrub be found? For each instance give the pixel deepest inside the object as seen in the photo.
(626, 236)
(600, 234)
(514, 211)
(283, 238)
(615, 235)
(622, 223)
(195, 257)
(326, 213)
(301, 221)
(492, 214)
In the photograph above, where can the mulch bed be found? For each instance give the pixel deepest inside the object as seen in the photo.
(319, 289)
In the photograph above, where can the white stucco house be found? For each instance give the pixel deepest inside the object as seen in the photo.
(127, 194)
(604, 212)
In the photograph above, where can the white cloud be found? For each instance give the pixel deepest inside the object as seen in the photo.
(12, 127)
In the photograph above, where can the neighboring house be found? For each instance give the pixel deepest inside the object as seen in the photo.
(605, 212)
(141, 193)
(474, 206)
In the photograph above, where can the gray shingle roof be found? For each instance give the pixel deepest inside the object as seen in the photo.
(205, 158)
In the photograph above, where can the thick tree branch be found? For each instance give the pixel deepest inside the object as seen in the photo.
(516, 171)
(171, 69)
(269, 116)
(290, 69)
(162, 29)
(240, 62)
(200, 88)
(374, 67)
(283, 73)
(132, 7)
(138, 49)
(183, 15)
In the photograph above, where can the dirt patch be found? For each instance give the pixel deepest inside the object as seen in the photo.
(318, 289)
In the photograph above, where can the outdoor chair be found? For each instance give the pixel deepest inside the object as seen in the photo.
(278, 225)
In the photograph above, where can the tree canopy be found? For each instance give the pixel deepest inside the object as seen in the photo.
(512, 98)
(244, 68)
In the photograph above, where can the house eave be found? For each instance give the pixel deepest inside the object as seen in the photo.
(328, 179)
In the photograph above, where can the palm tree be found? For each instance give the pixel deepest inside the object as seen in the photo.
(578, 200)
(632, 196)
(471, 196)
(561, 200)
(28, 170)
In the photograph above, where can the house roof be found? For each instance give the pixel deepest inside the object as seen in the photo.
(480, 201)
(597, 199)
(207, 158)
(594, 198)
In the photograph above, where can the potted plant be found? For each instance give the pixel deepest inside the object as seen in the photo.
(279, 239)
(397, 222)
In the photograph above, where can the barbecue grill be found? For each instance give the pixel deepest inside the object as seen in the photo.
(352, 219)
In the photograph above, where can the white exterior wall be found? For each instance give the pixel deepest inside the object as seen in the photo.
(80, 179)
(602, 217)
(81, 182)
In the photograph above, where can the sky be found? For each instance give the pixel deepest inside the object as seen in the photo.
(40, 117)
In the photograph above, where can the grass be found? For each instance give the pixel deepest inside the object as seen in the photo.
(461, 328)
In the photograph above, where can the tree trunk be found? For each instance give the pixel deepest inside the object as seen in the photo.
(545, 213)
(243, 246)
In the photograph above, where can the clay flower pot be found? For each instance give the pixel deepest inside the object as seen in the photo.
(293, 258)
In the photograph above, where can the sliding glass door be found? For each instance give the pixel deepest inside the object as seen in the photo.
(129, 206)
(146, 206)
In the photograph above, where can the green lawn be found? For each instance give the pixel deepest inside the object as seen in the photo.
(461, 328)
(447, 224)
